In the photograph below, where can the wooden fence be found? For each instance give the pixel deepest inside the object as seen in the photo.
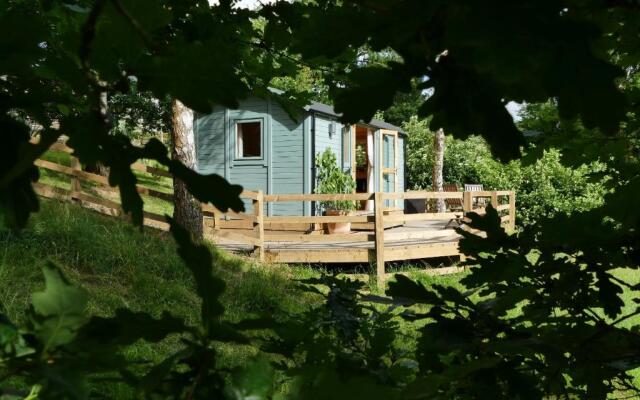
(267, 236)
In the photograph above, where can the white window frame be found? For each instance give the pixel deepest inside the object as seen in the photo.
(238, 141)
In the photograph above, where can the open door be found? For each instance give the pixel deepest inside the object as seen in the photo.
(389, 161)
(363, 163)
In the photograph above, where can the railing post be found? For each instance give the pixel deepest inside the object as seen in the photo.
(258, 226)
(467, 202)
(494, 200)
(512, 211)
(75, 181)
(379, 236)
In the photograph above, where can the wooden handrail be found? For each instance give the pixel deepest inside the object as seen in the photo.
(422, 195)
(318, 197)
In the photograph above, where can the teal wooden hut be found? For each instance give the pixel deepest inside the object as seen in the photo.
(260, 147)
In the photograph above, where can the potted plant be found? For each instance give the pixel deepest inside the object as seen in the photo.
(330, 179)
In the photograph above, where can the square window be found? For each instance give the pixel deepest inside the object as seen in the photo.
(249, 139)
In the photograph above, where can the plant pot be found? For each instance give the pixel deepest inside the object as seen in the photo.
(337, 227)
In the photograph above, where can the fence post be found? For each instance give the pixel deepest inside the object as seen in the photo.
(494, 200)
(512, 211)
(379, 235)
(75, 181)
(258, 226)
(467, 202)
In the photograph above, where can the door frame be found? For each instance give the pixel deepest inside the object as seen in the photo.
(393, 170)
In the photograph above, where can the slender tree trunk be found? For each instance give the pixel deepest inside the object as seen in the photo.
(187, 210)
(103, 109)
(438, 165)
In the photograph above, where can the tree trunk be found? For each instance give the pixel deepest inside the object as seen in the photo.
(438, 165)
(187, 210)
(103, 109)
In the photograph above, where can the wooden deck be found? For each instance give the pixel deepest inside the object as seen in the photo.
(384, 234)
(421, 239)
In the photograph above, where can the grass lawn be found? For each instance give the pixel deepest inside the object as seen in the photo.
(122, 266)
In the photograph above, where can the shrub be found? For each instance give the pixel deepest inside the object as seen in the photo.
(547, 187)
(543, 189)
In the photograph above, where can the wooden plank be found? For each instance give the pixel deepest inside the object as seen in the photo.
(87, 176)
(423, 217)
(481, 193)
(164, 226)
(271, 226)
(503, 192)
(467, 202)
(84, 197)
(140, 189)
(421, 251)
(231, 235)
(423, 195)
(425, 234)
(51, 192)
(502, 207)
(151, 170)
(318, 219)
(233, 224)
(317, 256)
(317, 197)
(243, 216)
(320, 238)
(379, 239)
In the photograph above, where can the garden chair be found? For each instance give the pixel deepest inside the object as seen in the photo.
(452, 204)
(475, 187)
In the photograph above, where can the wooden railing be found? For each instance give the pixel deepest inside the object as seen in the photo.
(256, 231)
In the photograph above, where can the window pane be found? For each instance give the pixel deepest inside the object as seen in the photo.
(389, 186)
(346, 149)
(249, 139)
(388, 151)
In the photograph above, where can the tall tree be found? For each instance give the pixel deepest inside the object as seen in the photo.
(438, 167)
(187, 210)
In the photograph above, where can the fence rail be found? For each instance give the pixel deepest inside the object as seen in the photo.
(258, 231)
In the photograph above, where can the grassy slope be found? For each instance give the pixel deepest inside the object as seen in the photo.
(122, 266)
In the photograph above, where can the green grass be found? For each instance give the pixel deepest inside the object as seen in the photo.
(122, 266)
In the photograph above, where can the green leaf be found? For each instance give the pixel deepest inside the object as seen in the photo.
(255, 381)
(58, 311)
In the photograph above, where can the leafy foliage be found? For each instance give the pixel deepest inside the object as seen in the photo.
(331, 179)
(547, 317)
(544, 187)
(547, 320)
(547, 187)
(138, 115)
(473, 71)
